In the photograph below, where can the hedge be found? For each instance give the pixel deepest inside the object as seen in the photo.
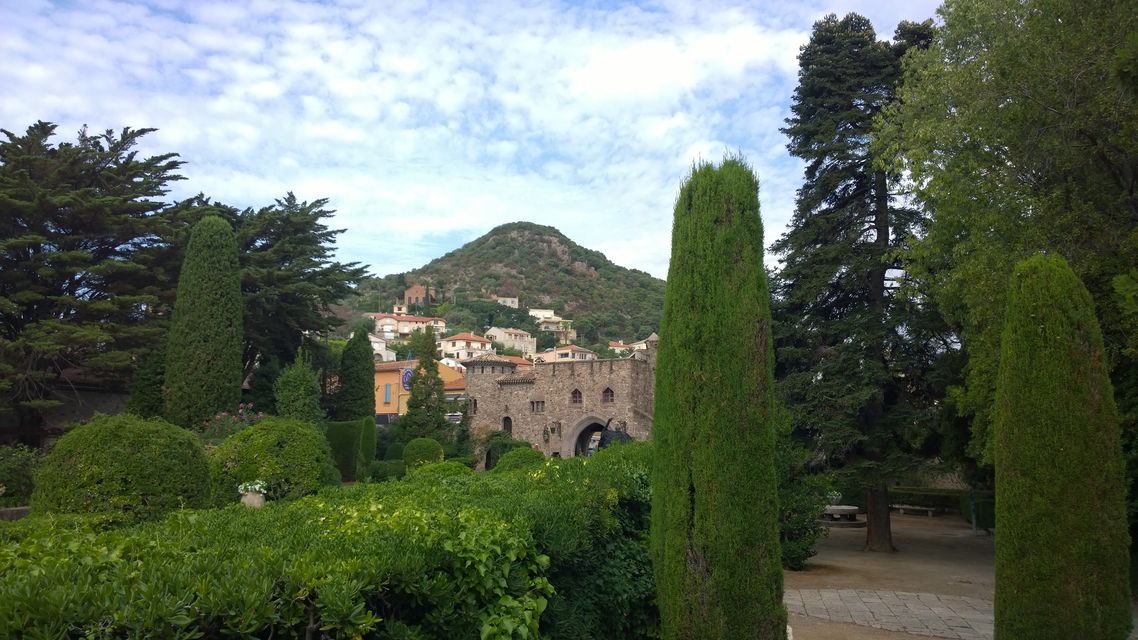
(422, 451)
(17, 466)
(125, 467)
(519, 459)
(291, 457)
(470, 556)
(344, 440)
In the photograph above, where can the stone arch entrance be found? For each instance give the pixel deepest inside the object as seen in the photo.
(582, 438)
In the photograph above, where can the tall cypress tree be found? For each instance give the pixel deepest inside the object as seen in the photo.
(715, 511)
(847, 387)
(203, 349)
(426, 408)
(355, 397)
(1061, 557)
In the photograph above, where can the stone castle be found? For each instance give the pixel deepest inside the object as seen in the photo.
(562, 407)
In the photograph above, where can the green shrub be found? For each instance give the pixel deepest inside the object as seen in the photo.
(355, 397)
(497, 444)
(444, 469)
(801, 500)
(715, 513)
(17, 466)
(469, 461)
(367, 440)
(422, 451)
(297, 391)
(344, 440)
(519, 459)
(146, 388)
(203, 373)
(382, 470)
(394, 451)
(129, 468)
(1061, 559)
(291, 457)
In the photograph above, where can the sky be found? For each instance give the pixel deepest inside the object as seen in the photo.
(427, 124)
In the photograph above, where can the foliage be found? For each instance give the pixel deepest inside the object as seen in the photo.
(355, 396)
(225, 424)
(546, 270)
(344, 440)
(498, 444)
(1061, 564)
(146, 388)
(381, 470)
(76, 283)
(421, 451)
(445, 469)
(1019, 137)
(715, 514)
(467, 557)
(17, 466)
(368, 431)
(261, 383)
(128, 468)
(291, 456)
(801, 501)
(394, 451)
(854, 346)
(203, 348)
(297, 391)
(519, 458)
(427, 406)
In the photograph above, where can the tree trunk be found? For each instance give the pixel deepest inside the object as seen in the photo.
(878, 532)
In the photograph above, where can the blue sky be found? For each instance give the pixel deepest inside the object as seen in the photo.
(426, 124)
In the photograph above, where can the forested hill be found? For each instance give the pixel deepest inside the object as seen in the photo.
(544, 269)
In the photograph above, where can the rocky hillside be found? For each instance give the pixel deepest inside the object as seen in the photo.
(544, 269)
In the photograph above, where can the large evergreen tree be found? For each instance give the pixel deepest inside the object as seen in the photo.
(77, 225)
(296, 391)
(850, 383)
(203, 350)
(355, 396)
(714, 531)
(426, 408)
(1061, 557)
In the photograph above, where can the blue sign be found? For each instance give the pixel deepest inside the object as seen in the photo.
(407, 373)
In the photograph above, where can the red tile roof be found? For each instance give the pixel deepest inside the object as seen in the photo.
(395, 366)
(377, 316)
(458, 384)
(466, 336)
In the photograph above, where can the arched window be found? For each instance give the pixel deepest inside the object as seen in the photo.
(575, 397)
(508, 425)
(608, 396)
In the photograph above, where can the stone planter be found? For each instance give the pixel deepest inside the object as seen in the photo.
(254, 499)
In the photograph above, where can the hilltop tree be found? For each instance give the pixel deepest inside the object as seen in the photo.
(355, 396)
(853, 380)
(77, 225)
(714, 530)
(426, 408)
(1062, 559)
(203, 350)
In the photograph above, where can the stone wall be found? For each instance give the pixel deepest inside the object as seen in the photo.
(539, 404)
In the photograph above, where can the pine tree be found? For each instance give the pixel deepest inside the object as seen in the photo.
(847, 382)
(714, 530)
(355, 397)
(203, 351)
(1061, 557)
(296, 391)
(426, 408)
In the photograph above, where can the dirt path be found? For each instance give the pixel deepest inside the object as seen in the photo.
(935, 555)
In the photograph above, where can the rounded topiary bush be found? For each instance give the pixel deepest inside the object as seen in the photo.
(421, 451)
(519, 459)
(291, 457)
(445, 469)
(129, 468)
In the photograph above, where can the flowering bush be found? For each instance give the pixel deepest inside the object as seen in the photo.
(256, 486)
(225, 424)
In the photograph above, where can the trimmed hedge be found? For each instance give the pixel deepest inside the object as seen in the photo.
(519, 459)
(394, 451)
(367, 440)
(382, 470)
(291, 457)
(422, 451)
(126, 467)
(471, 557)
(447, 469)
(344, 440)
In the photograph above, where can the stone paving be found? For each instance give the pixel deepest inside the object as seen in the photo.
(921, 614)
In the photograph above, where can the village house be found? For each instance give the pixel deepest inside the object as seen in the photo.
(393, 387)
(549, 321)
(419, 295)
(380, 349)
(463, 346)
(619, 347)
(505, 301)
(390, 326)
(514, 339)
(565, 353)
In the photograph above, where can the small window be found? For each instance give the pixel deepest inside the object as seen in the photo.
(473, 406)
(608, 396)
(575, 397)
(537, 406)
(508, 425)
(386, 393)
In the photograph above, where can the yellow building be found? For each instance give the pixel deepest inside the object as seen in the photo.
(393, 386)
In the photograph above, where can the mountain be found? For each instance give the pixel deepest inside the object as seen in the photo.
(544, 269)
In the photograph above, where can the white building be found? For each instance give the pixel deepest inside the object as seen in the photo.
(514, 339)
